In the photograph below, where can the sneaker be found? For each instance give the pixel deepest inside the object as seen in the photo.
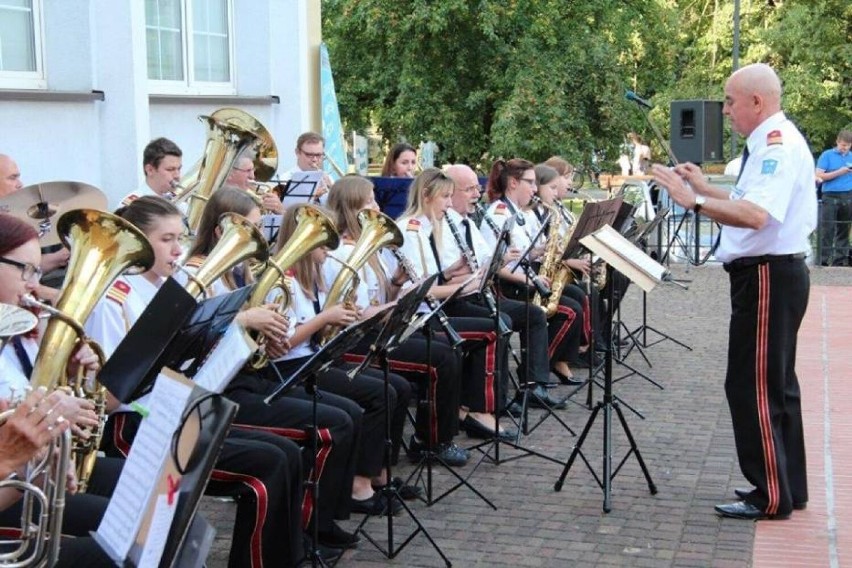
(452, 455)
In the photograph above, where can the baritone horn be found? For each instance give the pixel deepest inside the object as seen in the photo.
(314, 229)
(377, 231)
(103, 246)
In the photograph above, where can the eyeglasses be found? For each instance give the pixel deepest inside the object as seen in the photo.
(28, 271)
(313, 156)
(473, 189)
(529, 181)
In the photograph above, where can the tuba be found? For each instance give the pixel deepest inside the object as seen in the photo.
(314, 229)
(230, 132)
(377, 231)
(240, 241)
(103, 246)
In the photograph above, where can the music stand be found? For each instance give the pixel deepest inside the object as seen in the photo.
(394, 332)
(646, 273)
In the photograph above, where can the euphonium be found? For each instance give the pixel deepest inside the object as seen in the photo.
(103, 246)
(240, 241)
(314, 229)
(377, 231)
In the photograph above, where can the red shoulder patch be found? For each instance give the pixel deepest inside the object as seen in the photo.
(129, 199)
(413, 225)
(501, 209)
(118, 292)
(774, 138)
(290, 272)
(347, 241)
(122, 286)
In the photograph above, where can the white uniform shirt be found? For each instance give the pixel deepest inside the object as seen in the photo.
(779, 177)
(370, 291)
(119, 309)
(13, 380)
(526, 225)
(416, 247)
(301, 310)
(450, 250)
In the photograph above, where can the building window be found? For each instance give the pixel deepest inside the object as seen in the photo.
(190, 46)
(21, 44)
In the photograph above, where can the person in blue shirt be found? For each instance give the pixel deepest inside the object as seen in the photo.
(834, 171)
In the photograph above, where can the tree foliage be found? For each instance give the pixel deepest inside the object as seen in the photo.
(536, 77)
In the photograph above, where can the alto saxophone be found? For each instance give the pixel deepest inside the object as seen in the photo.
(552, 266)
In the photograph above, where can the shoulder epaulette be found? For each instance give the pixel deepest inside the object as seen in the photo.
(501, 209)
(774, 138)
(118, 292)
(129, 199)
(413, 225)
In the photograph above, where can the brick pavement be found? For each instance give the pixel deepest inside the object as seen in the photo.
(686, 441)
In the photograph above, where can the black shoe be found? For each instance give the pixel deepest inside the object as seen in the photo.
(566, 380)
(324, 552)
(540, 398)
(447, 452)
(743, 493)
(375, 505)
(337, 538)
(747, 511)
(407, 492)
(476, 429)
(513, 409)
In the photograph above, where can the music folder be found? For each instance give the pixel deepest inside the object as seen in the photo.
(594, 216)
(174, 331)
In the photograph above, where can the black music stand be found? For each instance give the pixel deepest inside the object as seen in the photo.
(607, 404)
(341, 344)
(395, 331)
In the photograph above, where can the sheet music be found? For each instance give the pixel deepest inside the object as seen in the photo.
(228, 357)
(625, 257)
(158, 532)
(141, 472)
(302, 186)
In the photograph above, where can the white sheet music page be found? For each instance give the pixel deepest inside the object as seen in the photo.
(227, 358)
(625, 257)
(142, 469)
(158, 534)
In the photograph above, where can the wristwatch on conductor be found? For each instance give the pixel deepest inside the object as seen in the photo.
(700, 200)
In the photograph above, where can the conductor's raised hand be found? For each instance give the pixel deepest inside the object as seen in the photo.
(675, 185)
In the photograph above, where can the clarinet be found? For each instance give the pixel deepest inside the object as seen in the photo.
(455, 339)
(474, 266)
(540, 287)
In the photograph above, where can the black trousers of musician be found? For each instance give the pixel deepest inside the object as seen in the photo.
(440, 420)
(263, 472)
(564, 328)
(367, 389)
(482, 348)
(768, 302)
(338, 434)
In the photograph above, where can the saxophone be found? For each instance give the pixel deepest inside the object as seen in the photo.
(551, 266)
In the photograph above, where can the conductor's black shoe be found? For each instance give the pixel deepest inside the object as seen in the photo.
(476, 429)
(540, 398)
(375, 505)
(407, 492)
(336, 537)
(797, 506)
(747, 511)
(566, 380)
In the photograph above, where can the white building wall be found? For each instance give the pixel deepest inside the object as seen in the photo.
(100, 45)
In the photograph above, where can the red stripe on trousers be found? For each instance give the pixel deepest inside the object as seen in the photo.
(259, 489)
(118, 439)
(490, 352)
(761, 378)
(563, 329)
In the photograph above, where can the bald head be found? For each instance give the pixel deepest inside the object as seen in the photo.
(752, 94)
(10, 176)
(466, 187)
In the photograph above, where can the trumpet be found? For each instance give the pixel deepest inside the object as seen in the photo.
(259, 189)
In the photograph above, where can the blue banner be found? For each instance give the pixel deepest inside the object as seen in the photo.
(336, 163)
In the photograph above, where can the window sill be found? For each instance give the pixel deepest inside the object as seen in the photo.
(51, 96)
(215, 99)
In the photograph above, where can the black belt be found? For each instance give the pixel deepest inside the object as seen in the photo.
(747, 261)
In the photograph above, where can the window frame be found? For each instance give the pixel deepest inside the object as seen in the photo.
(36, 80)
(189, 85)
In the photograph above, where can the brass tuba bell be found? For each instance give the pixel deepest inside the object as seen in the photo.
(314, 229)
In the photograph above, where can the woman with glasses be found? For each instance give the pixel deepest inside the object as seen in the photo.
(511, 186)
(20, 259)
